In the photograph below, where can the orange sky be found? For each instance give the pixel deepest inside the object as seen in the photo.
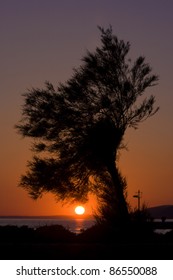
(42, 42)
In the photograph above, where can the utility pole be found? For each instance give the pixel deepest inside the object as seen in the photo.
(138, 196)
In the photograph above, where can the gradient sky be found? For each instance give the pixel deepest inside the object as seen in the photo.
(44, 40)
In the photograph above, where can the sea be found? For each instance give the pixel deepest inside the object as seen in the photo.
(75, 225)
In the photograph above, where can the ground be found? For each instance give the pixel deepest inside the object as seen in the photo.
(57, 243)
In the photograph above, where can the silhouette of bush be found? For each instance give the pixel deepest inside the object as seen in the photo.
(99, 233)
(96, 233)
(13, 234)
(55, 233)
(132, 232)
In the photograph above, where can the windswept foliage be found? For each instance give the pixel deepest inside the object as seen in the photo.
(79, 126)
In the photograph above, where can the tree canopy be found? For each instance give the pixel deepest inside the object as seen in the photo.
(78, 127)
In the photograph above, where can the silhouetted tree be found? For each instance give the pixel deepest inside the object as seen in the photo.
(78, 128)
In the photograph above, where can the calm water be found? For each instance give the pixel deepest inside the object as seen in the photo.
(74, 225)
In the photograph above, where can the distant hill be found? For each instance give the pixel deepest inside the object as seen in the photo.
(158, 212)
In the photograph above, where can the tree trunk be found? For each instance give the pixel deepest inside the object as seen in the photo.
(119, 204)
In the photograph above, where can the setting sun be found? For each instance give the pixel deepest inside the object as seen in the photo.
(79, 210)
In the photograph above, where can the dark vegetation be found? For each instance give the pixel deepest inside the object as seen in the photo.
(136, 241)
